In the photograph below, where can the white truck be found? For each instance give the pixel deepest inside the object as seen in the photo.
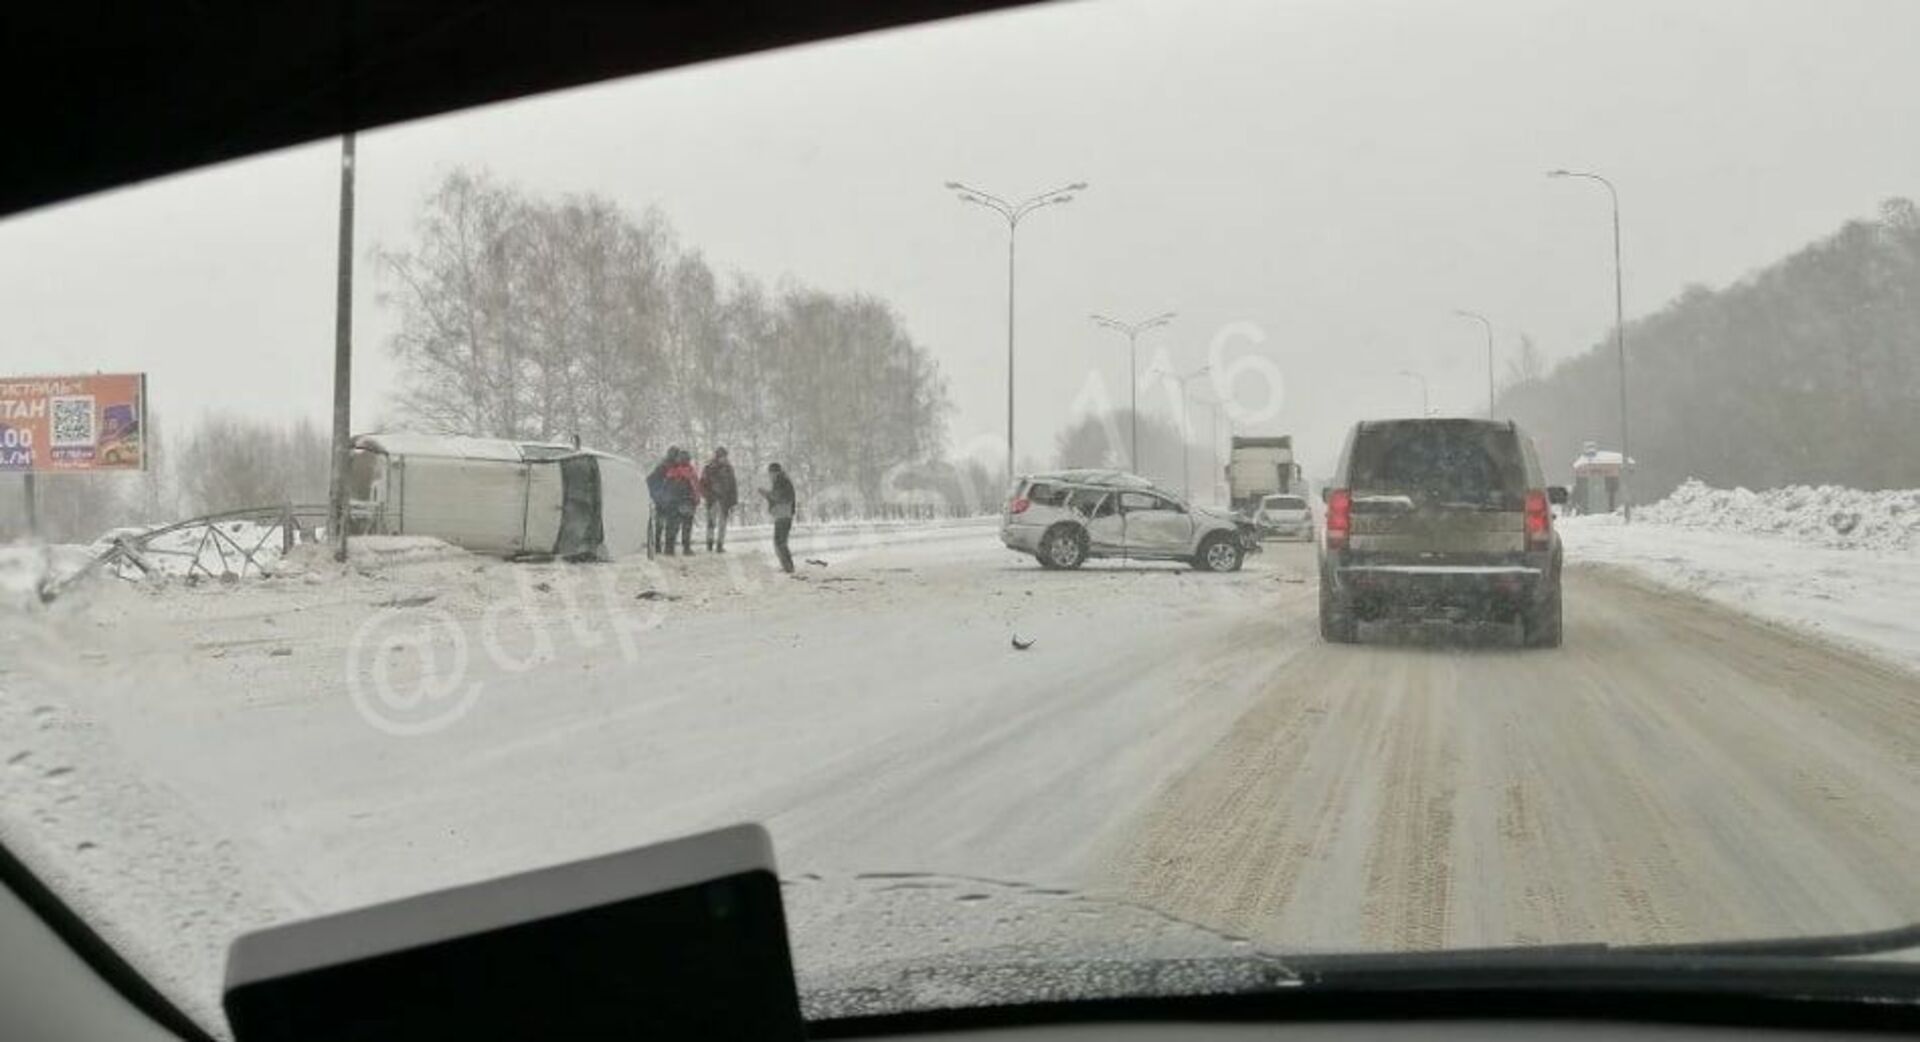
(1260, 466)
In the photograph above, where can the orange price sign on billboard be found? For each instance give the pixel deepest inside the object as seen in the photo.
(73, 423)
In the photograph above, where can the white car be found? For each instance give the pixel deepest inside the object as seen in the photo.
(1065, 517)
(1283, 514)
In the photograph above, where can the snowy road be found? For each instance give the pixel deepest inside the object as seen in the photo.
(1675, 773)
(1184, 741)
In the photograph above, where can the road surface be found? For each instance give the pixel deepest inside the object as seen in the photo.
(1175, 740)
(1674, 773)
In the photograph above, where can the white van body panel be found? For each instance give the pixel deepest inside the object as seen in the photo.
(626, 510)
(480, 505)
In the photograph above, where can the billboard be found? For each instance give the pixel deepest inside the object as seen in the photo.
(83, 423)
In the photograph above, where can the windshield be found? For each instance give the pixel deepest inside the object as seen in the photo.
(781, 440)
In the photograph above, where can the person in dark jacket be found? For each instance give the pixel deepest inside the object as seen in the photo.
(781, 506)
(683, 496)
(657, 491)
(722, 492)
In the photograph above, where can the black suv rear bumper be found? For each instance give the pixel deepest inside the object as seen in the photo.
(1426, 590)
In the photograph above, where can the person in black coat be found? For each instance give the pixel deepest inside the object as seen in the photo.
(781, 506)
(657, 491)
(722, 492)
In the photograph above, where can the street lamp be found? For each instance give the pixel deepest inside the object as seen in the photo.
(1180, 380)
(1132, 332)
(1425, 409)
(1483, 320)
(1013, 212)
(1619, 334)
(1213, 406)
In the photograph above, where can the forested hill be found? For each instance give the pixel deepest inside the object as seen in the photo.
(1806, 372)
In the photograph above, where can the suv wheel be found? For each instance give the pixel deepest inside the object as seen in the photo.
(1063, 547)
(1337, 624)
(1541, 624)
(1219, 553)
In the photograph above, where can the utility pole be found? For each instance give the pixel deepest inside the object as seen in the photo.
(339, 514)
(29, 500)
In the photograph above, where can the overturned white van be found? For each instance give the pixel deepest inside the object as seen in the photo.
(496, 496)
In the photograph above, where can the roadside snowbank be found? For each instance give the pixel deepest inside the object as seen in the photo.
(1843, 518)
(1839, 562)
(199, 548)
(297, 724)
(26, 569)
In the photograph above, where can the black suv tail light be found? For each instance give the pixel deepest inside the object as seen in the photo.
(1339, 518)
(1539, 520)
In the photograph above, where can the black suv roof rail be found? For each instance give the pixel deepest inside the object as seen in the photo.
(1368, 425)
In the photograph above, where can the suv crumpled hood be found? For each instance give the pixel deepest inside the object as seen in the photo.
(1225, 517)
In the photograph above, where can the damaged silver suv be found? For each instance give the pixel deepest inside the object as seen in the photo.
(1065, 517)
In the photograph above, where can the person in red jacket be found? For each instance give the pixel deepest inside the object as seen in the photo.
(683, 495)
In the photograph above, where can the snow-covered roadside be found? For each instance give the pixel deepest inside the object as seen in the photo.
(1824, 515)
(162, 744)
(28, 569)
(1866, 597)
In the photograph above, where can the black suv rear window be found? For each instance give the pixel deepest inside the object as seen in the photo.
(1441, 461)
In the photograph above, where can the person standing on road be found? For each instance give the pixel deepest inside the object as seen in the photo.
(683, 496)
(657, 492)
(718, 484)
(780, 506)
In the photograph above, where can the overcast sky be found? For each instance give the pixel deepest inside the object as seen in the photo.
(1338, 175)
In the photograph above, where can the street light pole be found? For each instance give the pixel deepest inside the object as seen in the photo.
(1180, 380)
(1483, 320)
(1213, 450)
(1426, 409)
(1132, 331)
(1619, 336)
(1012, 213)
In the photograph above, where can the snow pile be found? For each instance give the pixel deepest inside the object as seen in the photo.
(27, 570)
(368, 552)
(215, 549)
(1829, 515)
(1791, 555)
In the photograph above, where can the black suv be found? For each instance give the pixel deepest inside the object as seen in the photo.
(1440, 519)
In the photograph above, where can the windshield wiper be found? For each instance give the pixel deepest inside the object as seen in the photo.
(1818, 946)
